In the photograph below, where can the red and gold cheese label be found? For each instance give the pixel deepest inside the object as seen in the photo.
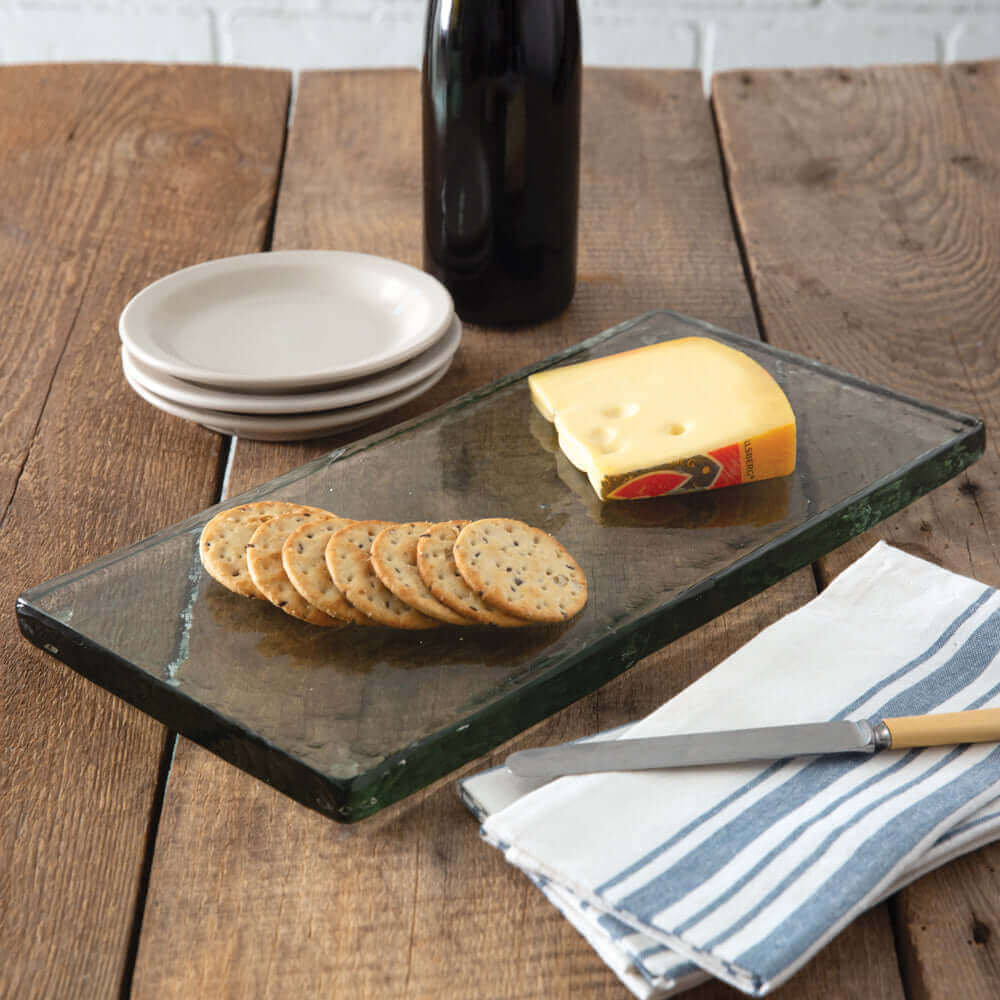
(764, 456)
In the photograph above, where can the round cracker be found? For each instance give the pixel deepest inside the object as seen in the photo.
(348, 557)
(264, 562)
(520, 569)
(223, 542)
(436, 565)
(304, 558)
(394, 559)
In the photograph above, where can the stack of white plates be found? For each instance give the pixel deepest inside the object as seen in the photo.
(288, 345)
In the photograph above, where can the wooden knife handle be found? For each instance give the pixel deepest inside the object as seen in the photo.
(980, 725)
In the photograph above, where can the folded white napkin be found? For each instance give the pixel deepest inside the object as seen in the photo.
(745, 871)
(652, 971)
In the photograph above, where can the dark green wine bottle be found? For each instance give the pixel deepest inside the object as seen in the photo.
(501, 155)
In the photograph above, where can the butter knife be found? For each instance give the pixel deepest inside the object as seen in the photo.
(770, 743)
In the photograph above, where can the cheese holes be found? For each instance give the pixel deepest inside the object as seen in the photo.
(605, 439)
(619, 411)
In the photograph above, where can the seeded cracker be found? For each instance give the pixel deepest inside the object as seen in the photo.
(520, 569)
(264, 563)
(437, 569)
(394, 559)
(304, 558)
(224, 539)
(348, 557)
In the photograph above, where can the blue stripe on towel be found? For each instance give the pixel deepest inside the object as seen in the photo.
(658, 965)
(772, 769)
(854, 881)
(980, 820)
(693, 825)
(968, 663)
(807, 862)
(703, 861)
(790, 839)
(834, 804)
(616, 929)
(677, 968)
(932, 650)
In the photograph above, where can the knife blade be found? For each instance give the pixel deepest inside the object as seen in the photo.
(768, 743)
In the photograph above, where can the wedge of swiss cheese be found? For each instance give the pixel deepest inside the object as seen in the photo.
(681, 415)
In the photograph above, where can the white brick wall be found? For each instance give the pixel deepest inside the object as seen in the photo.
(73, 31)
(299, 34)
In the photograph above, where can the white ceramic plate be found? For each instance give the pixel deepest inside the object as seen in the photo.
(345, 394)
(288, 428)
(285, 321)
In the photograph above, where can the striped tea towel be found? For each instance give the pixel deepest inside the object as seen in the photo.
(651, 970)
(746, 870)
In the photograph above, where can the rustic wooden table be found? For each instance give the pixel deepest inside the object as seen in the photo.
(853, 216)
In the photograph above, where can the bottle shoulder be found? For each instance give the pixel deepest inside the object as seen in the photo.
(539, 38)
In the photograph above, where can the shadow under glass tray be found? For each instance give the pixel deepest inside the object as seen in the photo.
(351, 720)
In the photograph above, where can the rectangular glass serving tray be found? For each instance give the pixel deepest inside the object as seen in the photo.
(347, 721)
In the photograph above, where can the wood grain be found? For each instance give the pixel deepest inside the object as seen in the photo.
(869, 205)
(950, 921)
(251, 894)
(110, 176)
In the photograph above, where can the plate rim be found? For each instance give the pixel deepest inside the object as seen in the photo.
(306, 425)
(288, 404)
(444, 310)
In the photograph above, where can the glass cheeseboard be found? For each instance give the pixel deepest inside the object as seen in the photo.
(348, 721)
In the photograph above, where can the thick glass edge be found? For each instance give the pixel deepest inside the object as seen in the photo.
(422, 762)
(338, 454)
(183, 714)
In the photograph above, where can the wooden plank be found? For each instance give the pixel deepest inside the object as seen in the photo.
(884, 256)
(867, 201)
(252, 894)
(110, 176)
(949, 947)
